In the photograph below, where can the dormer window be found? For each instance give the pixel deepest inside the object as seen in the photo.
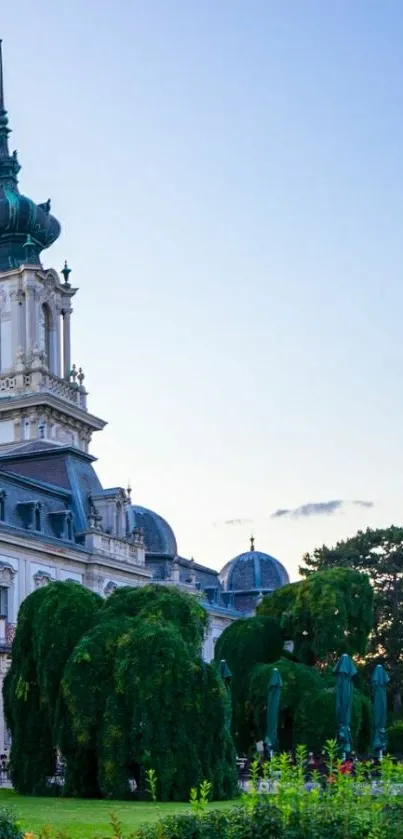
(62, 524)
(30, 512)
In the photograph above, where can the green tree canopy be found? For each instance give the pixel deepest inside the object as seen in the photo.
(164, 603)
(119, 687)
(50, 622)
(325, 615)
(378, 554)
(243, 644)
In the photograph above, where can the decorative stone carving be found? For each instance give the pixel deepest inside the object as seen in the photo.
(20, 360)
(94, 580)
(38, 357)
(51, 278)
(7, 574)
(42, 578)
(109, 588)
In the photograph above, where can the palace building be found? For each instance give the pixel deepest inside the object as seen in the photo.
(57, 522)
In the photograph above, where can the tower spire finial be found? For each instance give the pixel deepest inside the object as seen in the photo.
(4, 129)
(252, 543)
(1, 77)
(9, 166)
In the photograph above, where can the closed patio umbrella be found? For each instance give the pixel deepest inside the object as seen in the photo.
(344, 671)
(225, 672)
(379, 683)
(273, 710)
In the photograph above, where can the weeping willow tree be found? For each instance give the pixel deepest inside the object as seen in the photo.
(327, 614)
(244, 644)
(50, 622)
(123, 691)
(31, 756)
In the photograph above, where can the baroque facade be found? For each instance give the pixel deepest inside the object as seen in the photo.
(57, 522)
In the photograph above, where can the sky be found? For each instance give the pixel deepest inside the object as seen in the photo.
(228, 175)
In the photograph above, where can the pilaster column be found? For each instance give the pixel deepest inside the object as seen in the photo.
(66, 343)
(30, 330)
(14, 324)
(58, 351)
(21, 322)
(17, 325)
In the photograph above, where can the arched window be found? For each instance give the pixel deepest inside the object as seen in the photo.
(47, 341)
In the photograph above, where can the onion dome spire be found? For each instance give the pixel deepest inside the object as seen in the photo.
(22, 221)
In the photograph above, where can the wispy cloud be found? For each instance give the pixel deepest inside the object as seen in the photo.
(232, 522)
(318, 508)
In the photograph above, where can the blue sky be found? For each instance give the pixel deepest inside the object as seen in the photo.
(228, 174)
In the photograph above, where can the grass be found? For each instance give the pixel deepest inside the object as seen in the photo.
(81, 817)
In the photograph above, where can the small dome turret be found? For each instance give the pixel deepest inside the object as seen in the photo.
(159, 537)
(251, 575)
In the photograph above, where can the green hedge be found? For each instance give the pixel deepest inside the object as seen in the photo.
(266, 821)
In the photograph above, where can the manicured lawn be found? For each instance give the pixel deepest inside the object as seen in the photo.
(80, 817)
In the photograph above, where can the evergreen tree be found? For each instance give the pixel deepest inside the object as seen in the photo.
(243, 644)
(379, 555)
(119, 687)
(325, 615)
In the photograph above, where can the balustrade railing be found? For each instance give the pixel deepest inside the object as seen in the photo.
(66, 390)
(41, 380)
(118, 548)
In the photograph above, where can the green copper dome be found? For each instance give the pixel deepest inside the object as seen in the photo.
(26, 228)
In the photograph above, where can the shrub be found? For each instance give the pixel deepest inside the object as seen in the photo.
(346, 808)
(267, 821)
(9, 827)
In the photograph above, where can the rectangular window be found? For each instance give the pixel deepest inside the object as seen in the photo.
(3, 602)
